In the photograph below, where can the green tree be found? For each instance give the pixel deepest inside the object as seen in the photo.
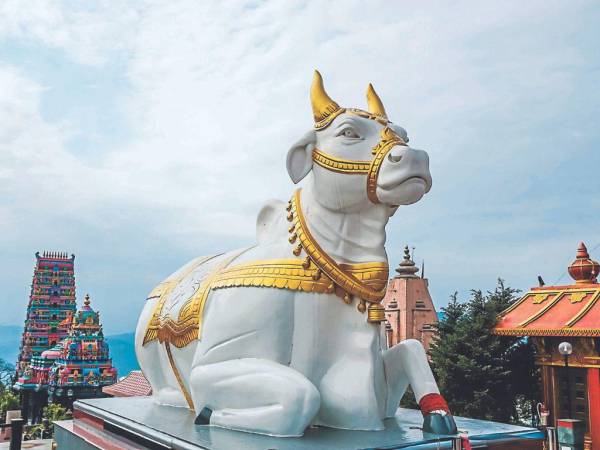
(45, 429)
(54, 412)
(8, 402)
(483, 375)
(7, 371)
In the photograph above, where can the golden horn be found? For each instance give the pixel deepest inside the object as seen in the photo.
(322, 105)
(374, 103)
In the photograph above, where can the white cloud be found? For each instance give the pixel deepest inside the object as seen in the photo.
(89, 32)
(219, 91)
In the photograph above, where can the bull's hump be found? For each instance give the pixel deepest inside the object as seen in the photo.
(270, 223)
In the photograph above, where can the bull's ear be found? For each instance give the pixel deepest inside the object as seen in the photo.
(299, 158)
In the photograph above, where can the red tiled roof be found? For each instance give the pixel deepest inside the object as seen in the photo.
(572, 310)
(554, 311)
(133, 385)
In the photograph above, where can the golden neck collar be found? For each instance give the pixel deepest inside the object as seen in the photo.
(345, 284)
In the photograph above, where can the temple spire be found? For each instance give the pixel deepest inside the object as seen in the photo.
(407, 268)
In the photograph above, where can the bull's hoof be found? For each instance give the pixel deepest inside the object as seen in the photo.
(204, 417)
(437, 423)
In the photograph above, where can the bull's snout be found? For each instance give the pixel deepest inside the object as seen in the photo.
(402, 164)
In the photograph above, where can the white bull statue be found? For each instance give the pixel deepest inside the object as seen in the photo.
(287, 333)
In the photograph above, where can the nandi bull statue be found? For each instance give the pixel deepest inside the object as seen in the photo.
(286, 334)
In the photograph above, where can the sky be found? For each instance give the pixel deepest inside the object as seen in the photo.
(140, 135)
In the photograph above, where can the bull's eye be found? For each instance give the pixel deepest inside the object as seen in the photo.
(349, 133)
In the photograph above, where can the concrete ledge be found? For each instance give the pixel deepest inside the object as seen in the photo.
(137, 422)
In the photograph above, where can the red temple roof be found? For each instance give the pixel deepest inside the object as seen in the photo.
(133, 385)
(572, 310)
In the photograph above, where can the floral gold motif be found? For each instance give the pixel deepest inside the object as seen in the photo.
(188, 325)
(577, 297)
(163, 290)
(540, 298)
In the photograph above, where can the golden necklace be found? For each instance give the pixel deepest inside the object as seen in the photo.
(344, 283)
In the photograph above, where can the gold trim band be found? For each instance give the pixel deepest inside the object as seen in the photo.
(543, 310)
(186, 394)
(389, 139)
(584, 310)
(520, 331)
(293, 274)
(339, 165)
(330, 115)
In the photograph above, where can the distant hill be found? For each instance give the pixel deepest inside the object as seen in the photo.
(121, 348)
(10, 337)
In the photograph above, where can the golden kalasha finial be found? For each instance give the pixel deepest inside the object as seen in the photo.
(374, 103)
(323, 106)
(86, 300)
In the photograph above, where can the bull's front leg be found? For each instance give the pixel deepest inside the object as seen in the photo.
(256, 395)
(406, 363)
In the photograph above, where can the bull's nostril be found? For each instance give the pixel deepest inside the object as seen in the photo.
(394, 158)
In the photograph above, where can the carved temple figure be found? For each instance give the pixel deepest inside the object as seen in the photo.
(287, 333)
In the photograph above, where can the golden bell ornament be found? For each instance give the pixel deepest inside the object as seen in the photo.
(347, 298)
(375, 313)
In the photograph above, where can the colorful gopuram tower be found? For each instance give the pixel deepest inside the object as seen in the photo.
(51, 306)
(80, 365)
(63, 353)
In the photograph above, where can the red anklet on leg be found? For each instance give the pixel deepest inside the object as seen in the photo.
(433, 402)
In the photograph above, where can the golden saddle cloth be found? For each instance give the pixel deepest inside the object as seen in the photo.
(177, 316)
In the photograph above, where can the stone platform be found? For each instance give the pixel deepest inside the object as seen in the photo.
(138, 423)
